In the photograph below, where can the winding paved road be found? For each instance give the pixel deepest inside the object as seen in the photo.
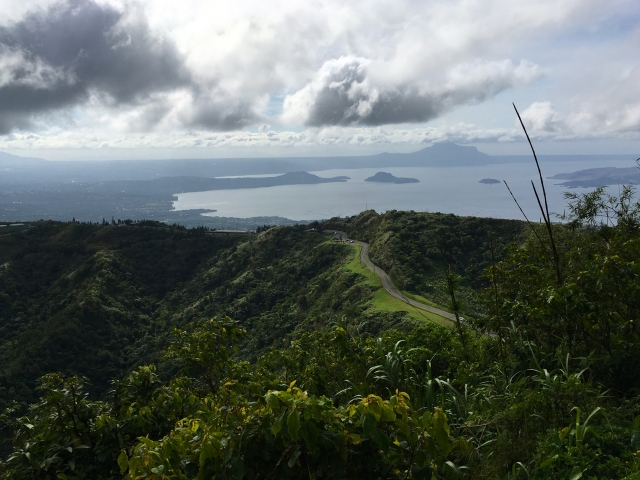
(388, 284)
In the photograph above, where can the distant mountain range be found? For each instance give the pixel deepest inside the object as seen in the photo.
(30, 171)
(22, 170)
(8, 160)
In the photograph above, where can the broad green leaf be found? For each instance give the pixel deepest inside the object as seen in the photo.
(381, 440)
(425, 421)
(293, 424)
(442, 431)
(635, 441)
(388, 413)
(276, 427)
(273, 401)
(636, 423)
(123, 461)
(576, 473)
(206, 452)
(294, 457)
(310, 434)
(549, 461)
(237, 468)
(368, 423)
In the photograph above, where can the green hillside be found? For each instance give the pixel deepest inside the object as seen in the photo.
(97, 300)
(412, 248)
(183, 355)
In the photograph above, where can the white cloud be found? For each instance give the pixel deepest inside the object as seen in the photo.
(541, 118)
(62, 139)
(366, 64)
(345, 93)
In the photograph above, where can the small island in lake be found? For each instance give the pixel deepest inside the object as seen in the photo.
(489, 181)
(384, 177)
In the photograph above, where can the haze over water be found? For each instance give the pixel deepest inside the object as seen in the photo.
(441, 189)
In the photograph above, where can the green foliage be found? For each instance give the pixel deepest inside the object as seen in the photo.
(242, 428)
(205, 349)
(78, 298)
(308, 381)
(409, 246)
(594, 309)
(290, 434)
(58, 437)
(67, 435)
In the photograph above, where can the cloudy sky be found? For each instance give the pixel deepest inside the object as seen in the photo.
(196, 78)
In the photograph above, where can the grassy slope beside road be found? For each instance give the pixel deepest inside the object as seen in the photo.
(383, 300)
(411, 247)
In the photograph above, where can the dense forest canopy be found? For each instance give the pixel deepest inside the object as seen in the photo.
(263, 357)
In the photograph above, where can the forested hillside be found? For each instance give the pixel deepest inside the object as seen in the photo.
(97, 300)
(415, 248)
(264, 356)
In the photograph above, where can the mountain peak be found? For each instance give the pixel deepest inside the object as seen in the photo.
(450, 154)
(451, 146)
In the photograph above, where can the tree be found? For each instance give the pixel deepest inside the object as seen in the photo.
(205, 349)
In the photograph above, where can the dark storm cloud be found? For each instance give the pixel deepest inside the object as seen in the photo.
(344, 93)
(55, 58)
(334, 106)
(343, 97)
(219, 112)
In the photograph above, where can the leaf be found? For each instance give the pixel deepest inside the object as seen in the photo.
(442, 431)
(207, 451)
(388, 413)
(294, 457)
(636, 423)
(293, 424)
(276, 427)
(576, 473)
(564, 432)
(426, 420)
(635, 441)
(237, 468)
(272, 400)
(310, 435)
(123, 461)
(381, 440)
(548, 461)
(368, 423)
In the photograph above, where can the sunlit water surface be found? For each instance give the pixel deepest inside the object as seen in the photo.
(449, 190)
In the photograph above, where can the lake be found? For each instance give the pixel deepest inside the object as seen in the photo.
(441, 189)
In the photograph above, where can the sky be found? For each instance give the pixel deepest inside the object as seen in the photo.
(112, 79)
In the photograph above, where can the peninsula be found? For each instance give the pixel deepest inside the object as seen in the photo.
(598, 177)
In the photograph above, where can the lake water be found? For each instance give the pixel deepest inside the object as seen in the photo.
(441, 189)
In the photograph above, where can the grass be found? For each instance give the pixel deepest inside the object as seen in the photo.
(426, 301)
(385, 302)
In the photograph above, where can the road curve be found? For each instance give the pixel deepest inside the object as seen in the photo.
(388, 284)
